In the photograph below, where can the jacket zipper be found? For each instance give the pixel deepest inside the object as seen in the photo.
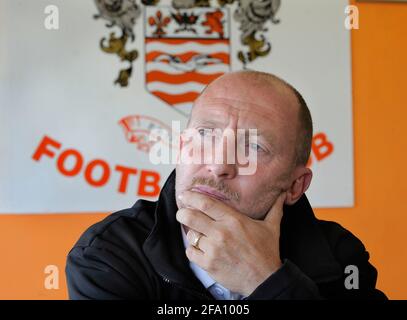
(174, 283)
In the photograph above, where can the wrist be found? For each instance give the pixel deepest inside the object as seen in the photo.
(261, 276)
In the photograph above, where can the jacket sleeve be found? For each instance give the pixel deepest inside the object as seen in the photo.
(289, 282)
(351, 253)
(97, 273)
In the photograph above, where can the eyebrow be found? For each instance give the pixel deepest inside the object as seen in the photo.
(266, 134)
(269, 136)
(203, 122)
(261, 133)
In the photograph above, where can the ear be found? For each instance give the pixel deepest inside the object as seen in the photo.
(302, 180)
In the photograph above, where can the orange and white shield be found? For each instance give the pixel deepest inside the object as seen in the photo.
(184, 51)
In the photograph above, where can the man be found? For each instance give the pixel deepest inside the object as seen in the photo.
(215, 233)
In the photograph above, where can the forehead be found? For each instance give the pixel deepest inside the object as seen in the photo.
(227, 109)
(246, 95)
(265, 116)
(248, 102)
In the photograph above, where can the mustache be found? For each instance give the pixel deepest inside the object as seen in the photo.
(217, 185)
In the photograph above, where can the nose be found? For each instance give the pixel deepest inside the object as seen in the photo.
(223, 170)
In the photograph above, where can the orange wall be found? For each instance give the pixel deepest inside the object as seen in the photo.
(379, 67)
(28, 243)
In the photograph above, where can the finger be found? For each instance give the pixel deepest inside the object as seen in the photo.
(191, 237)
(210, 206)
(194, 219)
(276, 211)
(196, 256)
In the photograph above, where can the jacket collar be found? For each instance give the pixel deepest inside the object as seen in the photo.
(164, 247)
(301, 241)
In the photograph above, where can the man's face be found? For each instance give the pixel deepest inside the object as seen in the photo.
(235, 103)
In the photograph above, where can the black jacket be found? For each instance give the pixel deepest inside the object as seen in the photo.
(138, 253)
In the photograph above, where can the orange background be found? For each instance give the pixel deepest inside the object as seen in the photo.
(28, 243)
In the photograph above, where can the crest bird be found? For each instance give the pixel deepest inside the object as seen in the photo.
(195, 62)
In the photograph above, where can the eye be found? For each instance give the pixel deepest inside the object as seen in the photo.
(205, 132)
(256, 147)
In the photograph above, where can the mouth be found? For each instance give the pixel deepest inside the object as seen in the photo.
(210, 192)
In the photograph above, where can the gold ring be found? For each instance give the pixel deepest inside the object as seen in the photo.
(195, 242)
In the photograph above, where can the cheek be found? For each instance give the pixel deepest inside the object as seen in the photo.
(183, 178)
(257, 195)
(184, 175)
(190, 148)
(260, 182)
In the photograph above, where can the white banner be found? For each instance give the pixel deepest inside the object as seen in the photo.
(82, 83)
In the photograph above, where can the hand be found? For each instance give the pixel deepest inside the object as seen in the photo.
(237, 251)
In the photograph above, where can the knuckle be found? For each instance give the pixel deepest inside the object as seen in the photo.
(219, 236)
(181, 214)
(215, 250)
(235, 223)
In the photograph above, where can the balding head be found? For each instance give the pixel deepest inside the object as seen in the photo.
(274, 90)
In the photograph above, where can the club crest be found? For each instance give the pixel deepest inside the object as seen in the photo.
(187, 43)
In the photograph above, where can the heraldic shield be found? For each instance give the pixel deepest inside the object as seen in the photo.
(185, 49)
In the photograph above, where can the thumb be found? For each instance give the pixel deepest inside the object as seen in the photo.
(275, 213)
